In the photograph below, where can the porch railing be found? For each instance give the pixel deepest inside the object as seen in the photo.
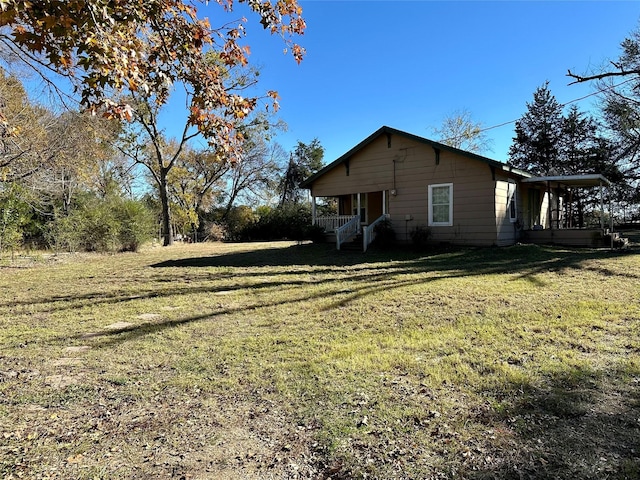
(347, 231)
(369, 234)
(332, 223)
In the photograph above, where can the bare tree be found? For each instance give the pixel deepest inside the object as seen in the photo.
(459, 130)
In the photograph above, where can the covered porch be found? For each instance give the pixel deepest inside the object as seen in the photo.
(548, 217)
(356, 217)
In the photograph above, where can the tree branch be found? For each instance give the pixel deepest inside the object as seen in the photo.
(620, 73)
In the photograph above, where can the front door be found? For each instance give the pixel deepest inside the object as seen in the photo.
(363, 207)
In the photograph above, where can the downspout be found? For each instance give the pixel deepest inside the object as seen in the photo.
(384, 202)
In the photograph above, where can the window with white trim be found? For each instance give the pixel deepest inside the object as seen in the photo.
(441, 205)
(512, 202)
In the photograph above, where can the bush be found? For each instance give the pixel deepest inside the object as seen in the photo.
(107, 225)
(215, 232)
(136, 224)
(315, 233)
(91, 228)
(385, 235)
(420, 237)
(292, 222)
(237, 221)
(14, 217)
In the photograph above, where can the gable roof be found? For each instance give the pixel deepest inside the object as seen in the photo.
(392, 131)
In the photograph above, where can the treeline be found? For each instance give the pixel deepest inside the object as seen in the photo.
(74, 181)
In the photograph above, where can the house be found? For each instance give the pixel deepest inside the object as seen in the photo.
(463, 198)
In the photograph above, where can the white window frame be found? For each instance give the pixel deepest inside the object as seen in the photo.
(512, 201)
(449, 223)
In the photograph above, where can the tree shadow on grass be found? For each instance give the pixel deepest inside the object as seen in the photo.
(524, 259)
(525, 262)
(576, 425)
(364, 275)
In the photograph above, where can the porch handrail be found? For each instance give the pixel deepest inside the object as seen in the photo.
(369, 234)
(347, 231)
(333, 222)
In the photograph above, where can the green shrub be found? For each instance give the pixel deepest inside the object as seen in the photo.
(136, 224)
(107, 225)
(420, 237)
(315, 233)
(14, 216)
(385, 235)
(292, 222)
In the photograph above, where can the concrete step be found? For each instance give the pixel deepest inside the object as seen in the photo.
(354, 245)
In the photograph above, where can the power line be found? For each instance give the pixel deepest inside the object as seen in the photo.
(610, 87)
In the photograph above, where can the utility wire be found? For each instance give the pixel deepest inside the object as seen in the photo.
(610, 87)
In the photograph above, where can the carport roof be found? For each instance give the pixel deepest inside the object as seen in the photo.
(587, 180)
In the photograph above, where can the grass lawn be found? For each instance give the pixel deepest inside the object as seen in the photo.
(277, 360)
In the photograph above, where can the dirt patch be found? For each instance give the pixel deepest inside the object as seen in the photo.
(149, 317)
(61, 381)
(78, 349)
(119, 326)
(66, 362)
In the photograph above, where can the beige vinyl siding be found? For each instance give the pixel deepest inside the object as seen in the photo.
(473, 221)
(371, 169)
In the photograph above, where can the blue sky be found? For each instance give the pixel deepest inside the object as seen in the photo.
(409, 64)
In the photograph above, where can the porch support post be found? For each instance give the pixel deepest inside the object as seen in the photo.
(611, 217)
(601, 206)
(549, 206)
(358, 212)
(313, 210)
(558, 216)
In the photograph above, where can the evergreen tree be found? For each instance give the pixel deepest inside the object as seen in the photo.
(536, 146)
(549, 143)
(580, 147)
(303, 162)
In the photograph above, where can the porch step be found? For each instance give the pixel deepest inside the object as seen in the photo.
(354, 245)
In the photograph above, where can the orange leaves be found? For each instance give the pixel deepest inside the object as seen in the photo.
(115, 111)
(143, 47)
(275, 97)
(66, 62)
(298, 53)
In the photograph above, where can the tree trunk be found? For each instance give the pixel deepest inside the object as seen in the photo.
(167, 232)
(194, 229)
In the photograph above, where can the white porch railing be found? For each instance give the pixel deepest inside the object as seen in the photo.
(369, 233)
(332, 223)
(347, 231)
